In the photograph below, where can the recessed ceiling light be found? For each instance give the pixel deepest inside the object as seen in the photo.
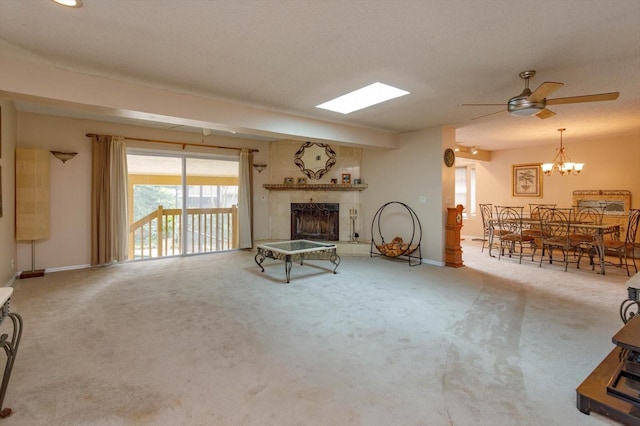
(69, 3)
(362, 98)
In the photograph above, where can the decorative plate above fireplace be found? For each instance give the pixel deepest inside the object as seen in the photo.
(315, 159)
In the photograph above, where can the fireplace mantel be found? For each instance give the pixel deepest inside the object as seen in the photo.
(316, 187)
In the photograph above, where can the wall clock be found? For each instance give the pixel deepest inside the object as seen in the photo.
(449, 157)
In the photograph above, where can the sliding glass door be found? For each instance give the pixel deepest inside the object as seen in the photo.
(212, 205)
(181, 204)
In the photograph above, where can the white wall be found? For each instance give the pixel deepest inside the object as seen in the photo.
(416, 170)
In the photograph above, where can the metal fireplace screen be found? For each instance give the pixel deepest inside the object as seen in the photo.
(315, 221)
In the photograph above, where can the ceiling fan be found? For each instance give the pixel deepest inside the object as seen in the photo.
(530, 103)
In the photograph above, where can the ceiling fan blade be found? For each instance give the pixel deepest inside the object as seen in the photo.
(487, 115)
(586, 98)
(544, 90)
(545, 113)
(481, 104)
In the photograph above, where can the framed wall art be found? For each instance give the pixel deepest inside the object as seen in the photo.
(526, 180)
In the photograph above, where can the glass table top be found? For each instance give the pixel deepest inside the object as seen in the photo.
(296, 246)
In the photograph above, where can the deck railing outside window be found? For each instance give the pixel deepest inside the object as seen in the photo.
(160, 232)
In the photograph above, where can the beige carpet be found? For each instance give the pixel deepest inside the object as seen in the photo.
(210, 340)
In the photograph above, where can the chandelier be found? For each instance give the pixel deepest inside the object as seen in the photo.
(561, 162)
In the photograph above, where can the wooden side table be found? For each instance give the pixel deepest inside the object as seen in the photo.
(612, 388)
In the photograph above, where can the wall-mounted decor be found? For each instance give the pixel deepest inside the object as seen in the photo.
(288, 181)
(526, 180)
(315, 159)
(302, 181)
(0, 191)
(612, 202)
(346, 178)
(0, 135)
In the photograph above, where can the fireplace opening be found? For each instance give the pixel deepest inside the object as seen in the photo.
(315, 221)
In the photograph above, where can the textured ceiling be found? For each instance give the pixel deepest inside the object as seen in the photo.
(288, 56)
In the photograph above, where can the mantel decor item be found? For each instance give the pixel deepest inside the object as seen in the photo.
(302, 181)
(288, 181)
(526, 180)
(561, 162)
(346, 178)
(314, 159)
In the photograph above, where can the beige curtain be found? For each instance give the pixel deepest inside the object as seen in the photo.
(245, 206)
(109, 221)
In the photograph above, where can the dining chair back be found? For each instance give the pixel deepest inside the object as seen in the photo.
(556, 223)
(534, 209)
(625, 248)
(511, 236)
(486, 213)
(586, 237)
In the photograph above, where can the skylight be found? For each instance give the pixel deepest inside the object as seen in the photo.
(70, 3)
(362, 98)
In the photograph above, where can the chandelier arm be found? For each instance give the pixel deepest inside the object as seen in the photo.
(562, 162)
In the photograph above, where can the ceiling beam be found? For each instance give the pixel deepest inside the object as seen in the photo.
(44, 82)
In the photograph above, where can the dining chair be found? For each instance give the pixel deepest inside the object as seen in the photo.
(625, 248)
(556, 223)
(511, 237)
(487, 227)
(534, 229)
(585, 236)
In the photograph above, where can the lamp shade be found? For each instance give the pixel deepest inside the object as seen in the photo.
(32, 194)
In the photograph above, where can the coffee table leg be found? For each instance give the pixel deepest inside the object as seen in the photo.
(287, 266)
(336, 261)
(262, 257)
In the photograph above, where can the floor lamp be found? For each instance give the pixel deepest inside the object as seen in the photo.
(32, 201)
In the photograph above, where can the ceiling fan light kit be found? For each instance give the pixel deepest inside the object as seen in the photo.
(561, 162)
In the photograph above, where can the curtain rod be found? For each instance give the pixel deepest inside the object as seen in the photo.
(184, 144)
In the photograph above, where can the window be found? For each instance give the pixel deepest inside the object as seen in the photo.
(465, 189)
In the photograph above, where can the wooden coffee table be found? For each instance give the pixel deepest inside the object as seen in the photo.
(298, 250)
